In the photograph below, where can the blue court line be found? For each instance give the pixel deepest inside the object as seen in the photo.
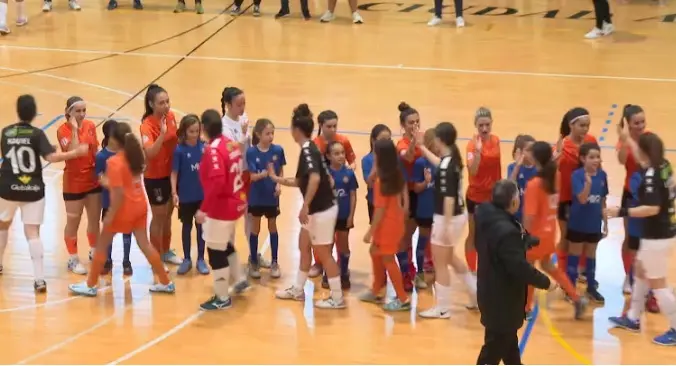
(529, 328)
(608, 122)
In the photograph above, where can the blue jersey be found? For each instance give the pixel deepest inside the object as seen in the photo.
(425, 206)
(635, 224)
(345, 183)
(262, 191)
(587, 218)
(100, 167)
(186, 164)
(366, 167)
(525, 174)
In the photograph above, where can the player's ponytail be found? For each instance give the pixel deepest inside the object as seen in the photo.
(108, 128)
(149, 99)
(133, 150)
(542, 154)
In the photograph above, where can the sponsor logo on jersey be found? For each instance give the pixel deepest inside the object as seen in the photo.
(25, 188)
(12, 132)
(346, 179)
(24, 179)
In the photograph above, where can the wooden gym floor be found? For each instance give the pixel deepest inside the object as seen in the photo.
(526, 60)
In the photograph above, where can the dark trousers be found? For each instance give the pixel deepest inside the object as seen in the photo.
(602, 12)
(498, 347)
(439, 6)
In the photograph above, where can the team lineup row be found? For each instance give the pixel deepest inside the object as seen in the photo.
(255, 182)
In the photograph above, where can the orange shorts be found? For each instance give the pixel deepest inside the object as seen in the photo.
(127, 224)
(388, 244)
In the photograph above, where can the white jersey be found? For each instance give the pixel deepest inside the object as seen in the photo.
(238, 131)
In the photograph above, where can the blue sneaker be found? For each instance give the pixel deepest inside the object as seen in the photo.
(241, 286)
(202, 267)
(666, 339)
(625, 323)
(81, 288)
(216, 303)
(397, 305)
(185, 267)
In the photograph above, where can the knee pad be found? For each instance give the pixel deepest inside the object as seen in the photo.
(218, 259)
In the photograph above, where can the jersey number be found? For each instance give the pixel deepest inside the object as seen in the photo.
(238, 182)
(22, 159)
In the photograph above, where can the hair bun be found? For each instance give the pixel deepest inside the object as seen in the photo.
(403, 106)
(302, 110)
(153, 86)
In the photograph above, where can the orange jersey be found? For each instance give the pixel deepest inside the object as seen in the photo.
(540, 208)
(391, 228)
(489, 172)
(79, 175)
(134, 207)
(402, 147)
(569, 161)
(321, 143)
(159, 166)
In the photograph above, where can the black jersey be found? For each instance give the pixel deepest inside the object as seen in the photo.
(21, 169)
(310, 161)
(655, 191)
(448, 183)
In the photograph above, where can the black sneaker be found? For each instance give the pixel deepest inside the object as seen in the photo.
(112, 5)
(594, 295)
(282, 13)
(256, 10)
(138, 5)
(235, 10)
(306, 15)
(580, 307)
(345, 283)
(126, 268)
(215, 303)
(40, 286)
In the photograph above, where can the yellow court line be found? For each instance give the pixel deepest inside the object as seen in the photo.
(556, 334)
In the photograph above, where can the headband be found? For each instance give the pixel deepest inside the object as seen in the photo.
(79, 102)
(578, 117)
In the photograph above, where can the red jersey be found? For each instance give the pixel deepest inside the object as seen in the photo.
(569, 161)
(402, 147)
(222, 180)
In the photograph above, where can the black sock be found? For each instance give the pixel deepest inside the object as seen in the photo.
(458, 7)
(438, 7)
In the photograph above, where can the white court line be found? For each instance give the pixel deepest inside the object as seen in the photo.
(349, 65)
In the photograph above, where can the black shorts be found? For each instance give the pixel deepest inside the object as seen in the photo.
(341, 225)
(371, 209)
(634, 243)
(158, 190)
(424, 222)
(81, 196)
(471, 205)
(270, 212)
(564, 210)
(412, 204)
(187, 210)
(626, 198)
(578, 237)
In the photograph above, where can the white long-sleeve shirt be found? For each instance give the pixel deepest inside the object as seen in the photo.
(238, 130)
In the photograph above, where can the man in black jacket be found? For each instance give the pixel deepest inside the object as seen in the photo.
(503, 275)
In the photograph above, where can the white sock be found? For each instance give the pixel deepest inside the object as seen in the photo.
(37, 252)
(667, 303)
(336, 289)
(236, 267)
(470, 281)
(638, 294)
(20, 10)
(4, 234)
(221, 285)
(301, 278)
(3, 13)
(443, 295)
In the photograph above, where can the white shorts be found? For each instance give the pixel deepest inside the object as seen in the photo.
(218, 233)
(322, 226)
(32, 213)
(655, 255)
(445, 233)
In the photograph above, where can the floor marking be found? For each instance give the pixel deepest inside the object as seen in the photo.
(557, 335)
(57, 302)
(351, 65)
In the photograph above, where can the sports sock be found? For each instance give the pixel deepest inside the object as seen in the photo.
(186, 230)
(471, 258)
(4, 236)
(397, 279)
(126, 243)
(336, 290)
(253, 248)
(221, 282)
(37, 253)
(92, 238)
(420, 252)
(571, 270)
(627, 261)
(274, 246)
(590, 272)
(301, 278)
(344, 263)
(71, 243)
(200, 242)
(638, 294)
(402, 258)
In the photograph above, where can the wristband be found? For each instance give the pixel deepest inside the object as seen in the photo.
(624, 212)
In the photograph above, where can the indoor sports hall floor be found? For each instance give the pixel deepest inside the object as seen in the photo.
(526, 60)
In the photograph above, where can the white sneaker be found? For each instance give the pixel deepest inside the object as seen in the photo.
(459, 22)
(331, 303)
(608, 28)
(73, 5)
(20, 22)
(4, 30)
(291, 293)
(169, 288)
(434, 21)
(594, 33)
(435, 312)
(356, 18)
(47, 6)
(75, 266)
(275, 271)
(327, 17)
(262, 262)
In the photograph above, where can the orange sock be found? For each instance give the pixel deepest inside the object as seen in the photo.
(470, 257)
(71, 245)
(155, 261)
(92, 238)
(379, 275)
(562, 279)
(529, 299)
(166, 242)
(95, 268)
(317, 261)
(397, 280)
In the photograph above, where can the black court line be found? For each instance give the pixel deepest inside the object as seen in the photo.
(77, 63)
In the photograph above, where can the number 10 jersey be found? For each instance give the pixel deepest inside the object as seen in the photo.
(21, 170)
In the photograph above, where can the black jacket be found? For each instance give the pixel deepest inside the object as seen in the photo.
(503, 272)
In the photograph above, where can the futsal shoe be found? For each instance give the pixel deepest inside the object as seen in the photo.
(202, 267)
(185, 267)
(435, 313)
(370, 297)
(169, 288)
(40, 286)
(275, 271)
(623, 322)
(594, 295)
(419, 282)
(291, 293)
(666, 339)
(580, 307)
(216, 303)
(127, 270)
(82, 289)
(397, 305)
(331, 303)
